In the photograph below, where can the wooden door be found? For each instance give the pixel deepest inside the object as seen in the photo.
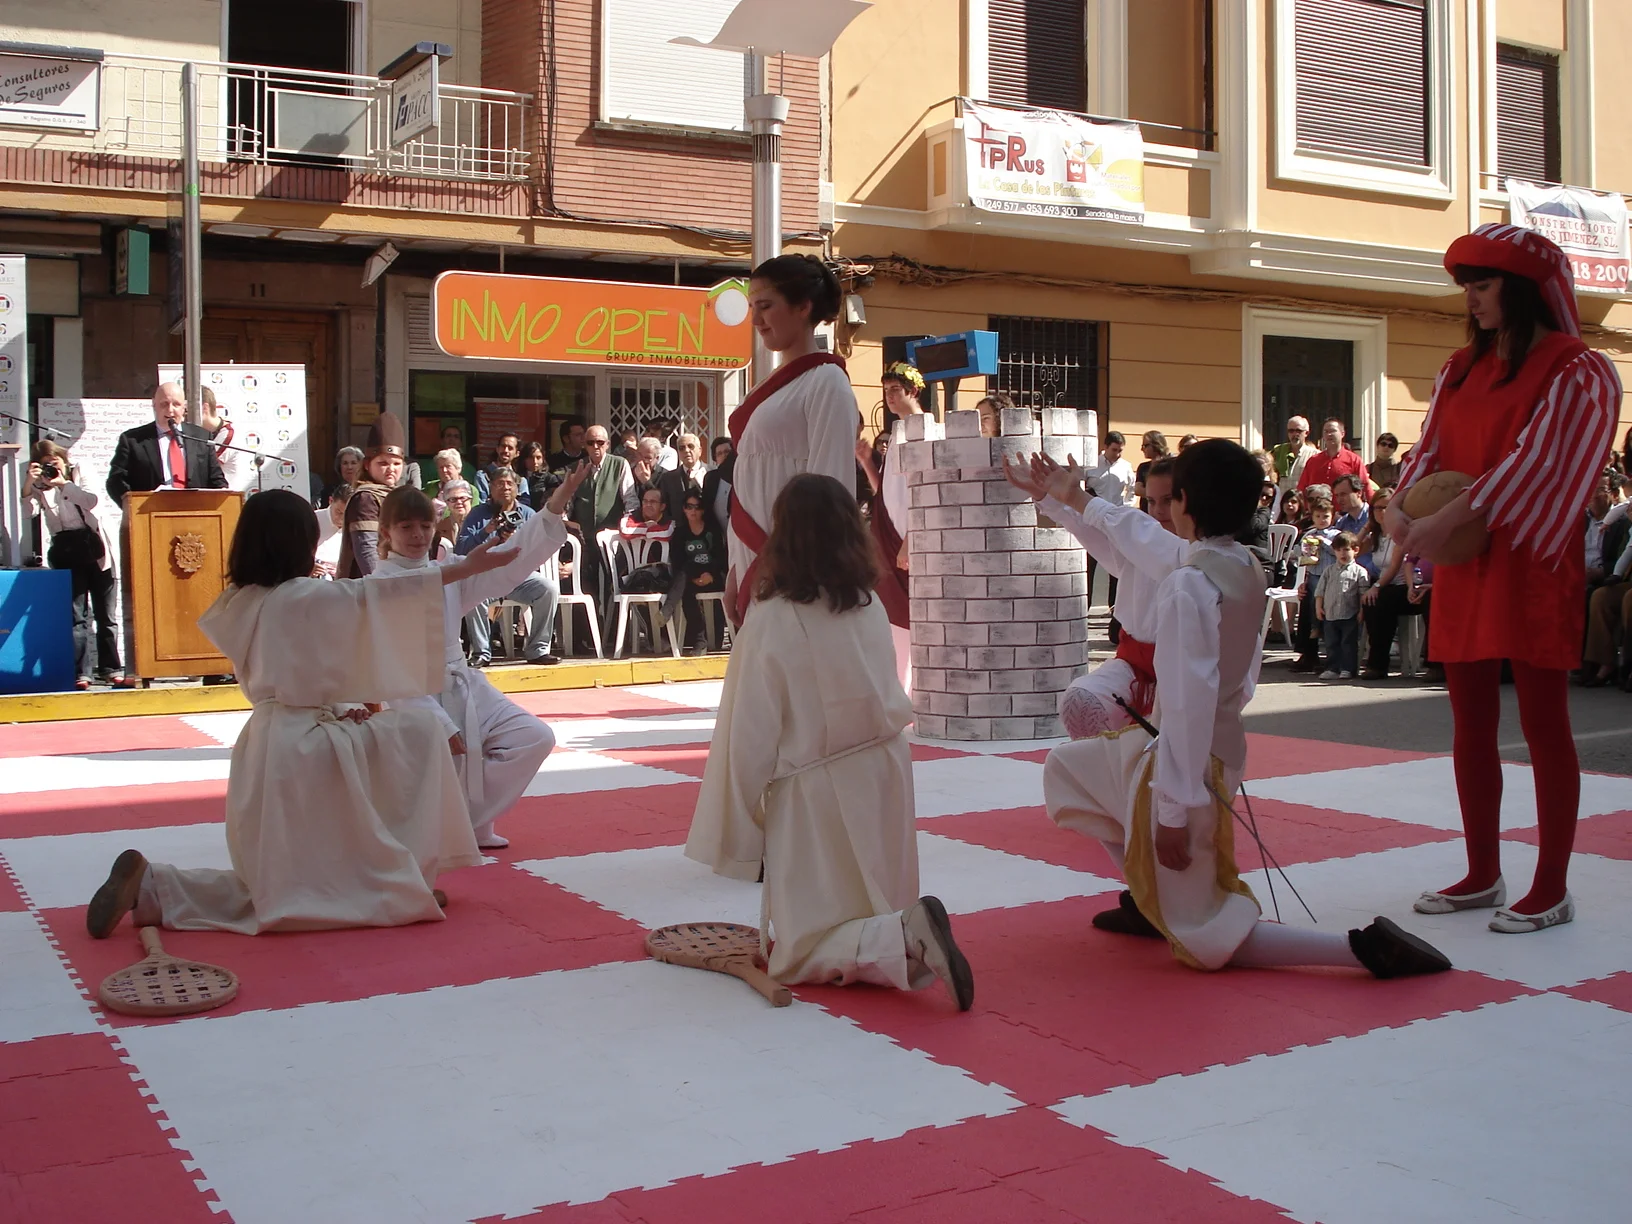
(251, 337)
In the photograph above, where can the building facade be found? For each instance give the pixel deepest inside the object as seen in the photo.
(1305, 165)
(573, 139)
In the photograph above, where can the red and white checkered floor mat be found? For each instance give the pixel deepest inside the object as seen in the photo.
(523, 1060)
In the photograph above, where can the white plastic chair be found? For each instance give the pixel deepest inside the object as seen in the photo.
(574, 598)
(635, 553)
(1283, 538)
(706, 603)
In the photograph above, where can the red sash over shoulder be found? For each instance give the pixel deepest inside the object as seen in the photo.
(749, 531)
(891, 586)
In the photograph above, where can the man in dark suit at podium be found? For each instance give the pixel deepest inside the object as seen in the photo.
(168, 454)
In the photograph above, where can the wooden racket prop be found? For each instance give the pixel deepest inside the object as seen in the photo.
(1432, 494)
(721, 947)
(165, 985)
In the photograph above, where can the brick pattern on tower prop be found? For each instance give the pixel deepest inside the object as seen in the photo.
(999, 597)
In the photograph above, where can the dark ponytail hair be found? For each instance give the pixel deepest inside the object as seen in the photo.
(802, 279)
(1523, 310)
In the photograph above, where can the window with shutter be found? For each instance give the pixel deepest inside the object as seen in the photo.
(1362, 79)
(1364, 95)
(1527, 134)
(1037, 54)
(647, 79)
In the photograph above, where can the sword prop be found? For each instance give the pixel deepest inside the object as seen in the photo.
(1269, 860)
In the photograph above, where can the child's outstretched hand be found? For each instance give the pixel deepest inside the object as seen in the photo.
(488, 555)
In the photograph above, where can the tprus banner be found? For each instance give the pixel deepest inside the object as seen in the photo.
(1051, 164)
(265, 406)
(1589, 226)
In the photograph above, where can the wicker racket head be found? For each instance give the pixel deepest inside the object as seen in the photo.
(165, 985)
(1433, 493)
(703, 945)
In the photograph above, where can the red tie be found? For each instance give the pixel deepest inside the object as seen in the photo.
(178, 463)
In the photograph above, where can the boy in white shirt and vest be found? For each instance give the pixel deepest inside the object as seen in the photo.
(1160, 805)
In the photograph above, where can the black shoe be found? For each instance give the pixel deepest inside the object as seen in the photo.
(928, 932)
(545, 660)
(117, 896)
(1126, 919)
(482, 661)
(1306, 665)
(1390, 951)
(216, 680)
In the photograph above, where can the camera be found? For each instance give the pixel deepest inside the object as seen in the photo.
(50, 469)
(507, 521)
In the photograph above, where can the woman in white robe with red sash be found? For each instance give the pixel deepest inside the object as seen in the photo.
(800, 419)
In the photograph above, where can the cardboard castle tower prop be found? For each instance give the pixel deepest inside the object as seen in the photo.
(999, 595)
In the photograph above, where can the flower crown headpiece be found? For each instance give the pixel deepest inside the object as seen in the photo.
(907, 374)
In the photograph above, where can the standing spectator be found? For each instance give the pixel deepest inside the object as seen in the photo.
(1333, 459)
(660, 431)
(687, 476)
(699, 566)
(452, 440)
(497, 517)
(1186, 442)
(1111, 478)
(166, 454)
(645, 467)
(1385, 468)
(717, 486)
(78, 545)
(505, 454)
(382, 472)
(600, 503)
(348, 465)
(537, 480)
(1337, 605)
(628, 440)
(1389, 597)
(571, 434)
(1291, 456)
(1353, 514)
(1596, 520)
(719, 451)
(1152, 447)
(1314, 557)
(991, 409)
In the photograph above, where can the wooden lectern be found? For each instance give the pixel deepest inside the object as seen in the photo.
(174, 544)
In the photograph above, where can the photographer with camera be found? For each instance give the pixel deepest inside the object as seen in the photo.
(496, 519)
(78, 546)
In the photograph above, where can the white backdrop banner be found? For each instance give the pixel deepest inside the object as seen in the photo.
(266, 406)
(1589, 226)
(1053, 164)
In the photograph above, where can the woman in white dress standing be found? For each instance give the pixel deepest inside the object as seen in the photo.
(801, 419)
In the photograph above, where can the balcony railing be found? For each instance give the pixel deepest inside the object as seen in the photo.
(289, 116)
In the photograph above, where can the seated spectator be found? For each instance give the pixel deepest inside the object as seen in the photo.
(452, 440)
(331, 521)
(1595, 522)
(651, 522)
(1314, 556)
(699, 565)
(1348, 500)
(1385, 468)
(1291, 509)
(497, 517)
(448, 465)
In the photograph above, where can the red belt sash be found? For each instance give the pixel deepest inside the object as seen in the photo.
(1141, 657)
(748, 530)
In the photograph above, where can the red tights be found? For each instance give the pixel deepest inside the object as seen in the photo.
(1544, 716)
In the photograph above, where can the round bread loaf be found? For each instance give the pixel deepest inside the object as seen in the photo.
(1433, 493)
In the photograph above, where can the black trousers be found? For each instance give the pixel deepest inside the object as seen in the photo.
(1306, 634)
(1383, 622)
(94, 595)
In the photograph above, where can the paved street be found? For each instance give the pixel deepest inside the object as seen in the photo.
(524, 1060)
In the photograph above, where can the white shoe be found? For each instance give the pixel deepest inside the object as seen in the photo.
(930, 943)
(1450, 903)
(486, 839)
(1345, 675)
(1507, 922)
(1328, 674)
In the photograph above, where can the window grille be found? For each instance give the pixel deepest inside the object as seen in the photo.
(1051, 363)
(638, 400)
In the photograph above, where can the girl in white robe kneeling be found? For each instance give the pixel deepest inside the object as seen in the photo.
(498, 745)
(336, 816)
(810, 774)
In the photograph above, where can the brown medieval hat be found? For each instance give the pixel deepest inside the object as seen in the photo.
(385, 437)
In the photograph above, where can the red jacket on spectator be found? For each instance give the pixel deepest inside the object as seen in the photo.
(635, 528)
(1323, 469)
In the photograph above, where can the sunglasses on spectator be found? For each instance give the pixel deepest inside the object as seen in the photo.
(594, 441)
(691, 505)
